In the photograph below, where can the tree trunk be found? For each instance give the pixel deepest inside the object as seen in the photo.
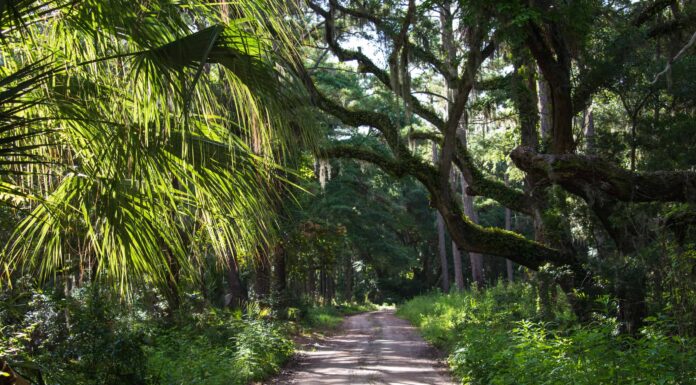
(456, 253)
(172, 294)
(442, 247)
(458, 274)
(348, 279)
(262, 281)
(322, 285)
(237, 295)
(279, 285)
(589, 130)
(562, 140)
(544, 110)
(468, 203)
(508, 226)
(632, 310)
(312, 284)
(634, 142)
(475, 258)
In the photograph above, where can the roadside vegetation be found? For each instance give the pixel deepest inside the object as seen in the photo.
(109, 342)
(92, 338)
(498, 336)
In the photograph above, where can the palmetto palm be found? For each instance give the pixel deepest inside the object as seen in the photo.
(139, 135)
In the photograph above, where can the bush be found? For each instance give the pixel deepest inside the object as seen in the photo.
(442, 316)
(219, 349)
(90, 338)
(79, 340)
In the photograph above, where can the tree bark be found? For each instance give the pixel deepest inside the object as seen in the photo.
(544, 110)
(312, 284)
(172, 293)
(554, 60)
(589, 176)
(348, 279)
(237, 295)
(458, 274)
(508, 226)
(442, 248)
(456, 253)
(589, 130)
(476, 259)
(262, 278)
(280, 283)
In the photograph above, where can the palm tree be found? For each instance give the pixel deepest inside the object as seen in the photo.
(139, 137)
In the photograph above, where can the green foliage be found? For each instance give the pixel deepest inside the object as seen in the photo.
(138, 135)
(219, 350)
(441, 316)
(90, 339)
(495, 337)
(84, 339)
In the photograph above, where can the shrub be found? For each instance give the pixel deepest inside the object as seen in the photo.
(219, 349)
(90, 338)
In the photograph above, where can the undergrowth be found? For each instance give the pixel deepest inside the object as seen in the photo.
(495, 336)
(90, 339)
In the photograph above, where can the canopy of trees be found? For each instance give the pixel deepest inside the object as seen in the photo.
(181, 156)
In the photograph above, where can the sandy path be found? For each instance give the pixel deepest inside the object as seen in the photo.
(372, 348)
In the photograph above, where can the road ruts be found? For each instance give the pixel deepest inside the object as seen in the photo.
(373, 348)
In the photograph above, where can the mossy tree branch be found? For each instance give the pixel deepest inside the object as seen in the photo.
(390, 31)
(478, 183)
(366, 65)
(468, 235)
(586, 176)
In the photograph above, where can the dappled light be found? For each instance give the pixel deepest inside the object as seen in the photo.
(347, 192)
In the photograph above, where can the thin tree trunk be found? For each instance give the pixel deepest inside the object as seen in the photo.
(172, 294)
(634, 141)
(237, 293)
(442, 248)
(312, 284)
(476, 259)
(458, 273)
(508, 226)
(262, 282)
(348, 279)
(589, 129)
(280, 283)
(446, 24)
(544, 110)
(322, 285)
(456, 253)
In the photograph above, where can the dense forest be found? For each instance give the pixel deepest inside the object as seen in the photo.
(189, 187)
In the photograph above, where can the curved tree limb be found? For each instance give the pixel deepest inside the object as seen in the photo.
(478, 183)
(385, 27)
(468, 235)
(586, 176)
(366, 65)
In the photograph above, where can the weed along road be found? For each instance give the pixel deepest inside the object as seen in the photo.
(371, 348)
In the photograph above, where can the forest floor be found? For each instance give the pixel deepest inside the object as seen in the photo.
(368, 348)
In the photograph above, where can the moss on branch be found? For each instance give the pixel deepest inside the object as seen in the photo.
(589, 176)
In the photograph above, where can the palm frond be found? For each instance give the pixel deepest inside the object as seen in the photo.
(173, 122)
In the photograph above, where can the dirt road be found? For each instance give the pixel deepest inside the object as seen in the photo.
(371, 348)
